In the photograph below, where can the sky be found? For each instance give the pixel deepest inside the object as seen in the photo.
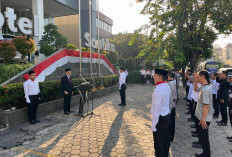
(127, 18)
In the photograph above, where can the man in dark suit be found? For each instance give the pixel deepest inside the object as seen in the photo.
(222, 96)
(67, 88)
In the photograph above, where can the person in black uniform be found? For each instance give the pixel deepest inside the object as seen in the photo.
(67, 88)
(229, 80)
(222, 96)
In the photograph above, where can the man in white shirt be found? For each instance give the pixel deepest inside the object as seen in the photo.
(122, 87)
(126, 72)
(152, 76)
(215, 86)
(143, 75)
(172, 84)
(160, 113)
(32, 95)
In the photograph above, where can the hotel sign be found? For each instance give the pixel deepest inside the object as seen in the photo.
(24, 24)
(103, 43)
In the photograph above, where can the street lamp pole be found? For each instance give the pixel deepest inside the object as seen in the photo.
(90, 34)
(98, 34)
(80, 49)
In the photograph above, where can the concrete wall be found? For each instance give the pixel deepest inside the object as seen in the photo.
(11, 118)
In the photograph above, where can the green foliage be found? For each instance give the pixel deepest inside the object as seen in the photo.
(183, 32)
(134, 77)
(24, 46)
(148, 65)
(7, 51)
(113, 57)
(125, 47)
(130, 63)
(13, 94)
(47, 50)
(122, 62)
(53, 37)
(9, 70)
(71, 47)
(110, 80)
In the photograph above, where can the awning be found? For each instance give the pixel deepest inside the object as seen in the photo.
(52, 8)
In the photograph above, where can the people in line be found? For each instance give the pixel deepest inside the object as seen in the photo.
(204, 111)
(152, 76)
(160, 114)
(148, 76)
(222, 97)
(143, 75)
(215, 86)
(172, 83)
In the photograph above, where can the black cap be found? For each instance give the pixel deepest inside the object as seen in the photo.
(68, 69)
(161, 72)
(122, 68)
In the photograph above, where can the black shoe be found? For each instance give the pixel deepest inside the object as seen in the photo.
(188, 113)
(66, 113)
(190, 120)
(229, 137)
(37, 121)
(196, 145)
(195, 135)
(219, 121)
(193, 132)
(193, 126)
(222, 124)
(196, 142)
(32, 122)
(121, 104)
(199, 155)
(215, 116)
(230, 140)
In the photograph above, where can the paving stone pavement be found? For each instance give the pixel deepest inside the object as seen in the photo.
(117, 131)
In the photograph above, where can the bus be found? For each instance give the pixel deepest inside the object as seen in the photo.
(212, 66)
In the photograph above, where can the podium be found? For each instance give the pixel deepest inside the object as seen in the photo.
(84, 108)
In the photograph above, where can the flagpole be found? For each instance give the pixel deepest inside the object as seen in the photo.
(90, 33)
(80, 46)
(98, 34)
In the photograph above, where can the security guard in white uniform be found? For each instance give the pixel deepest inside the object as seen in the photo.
(160, 113)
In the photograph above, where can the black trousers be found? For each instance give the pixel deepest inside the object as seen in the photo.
(161, 137)
(204, 138)
(215, 105)
(122, 92)
(67, 101)
(142, 79)
(230, 115)
(223, 109)
(187, 91)
(32, 107)
(172, 124)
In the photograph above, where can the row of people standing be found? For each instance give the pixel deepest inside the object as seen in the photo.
(205, 104)
(147, 76)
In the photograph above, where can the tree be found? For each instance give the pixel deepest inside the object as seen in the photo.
(47, 50)
(7, 51)
(121, 62)
(183, 31)
(130, 63)
(52, 37)
(113, 57)
(124, 47)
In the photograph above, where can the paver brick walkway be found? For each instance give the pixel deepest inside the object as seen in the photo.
(117, 131)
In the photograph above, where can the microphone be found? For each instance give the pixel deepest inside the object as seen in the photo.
(85, 82)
